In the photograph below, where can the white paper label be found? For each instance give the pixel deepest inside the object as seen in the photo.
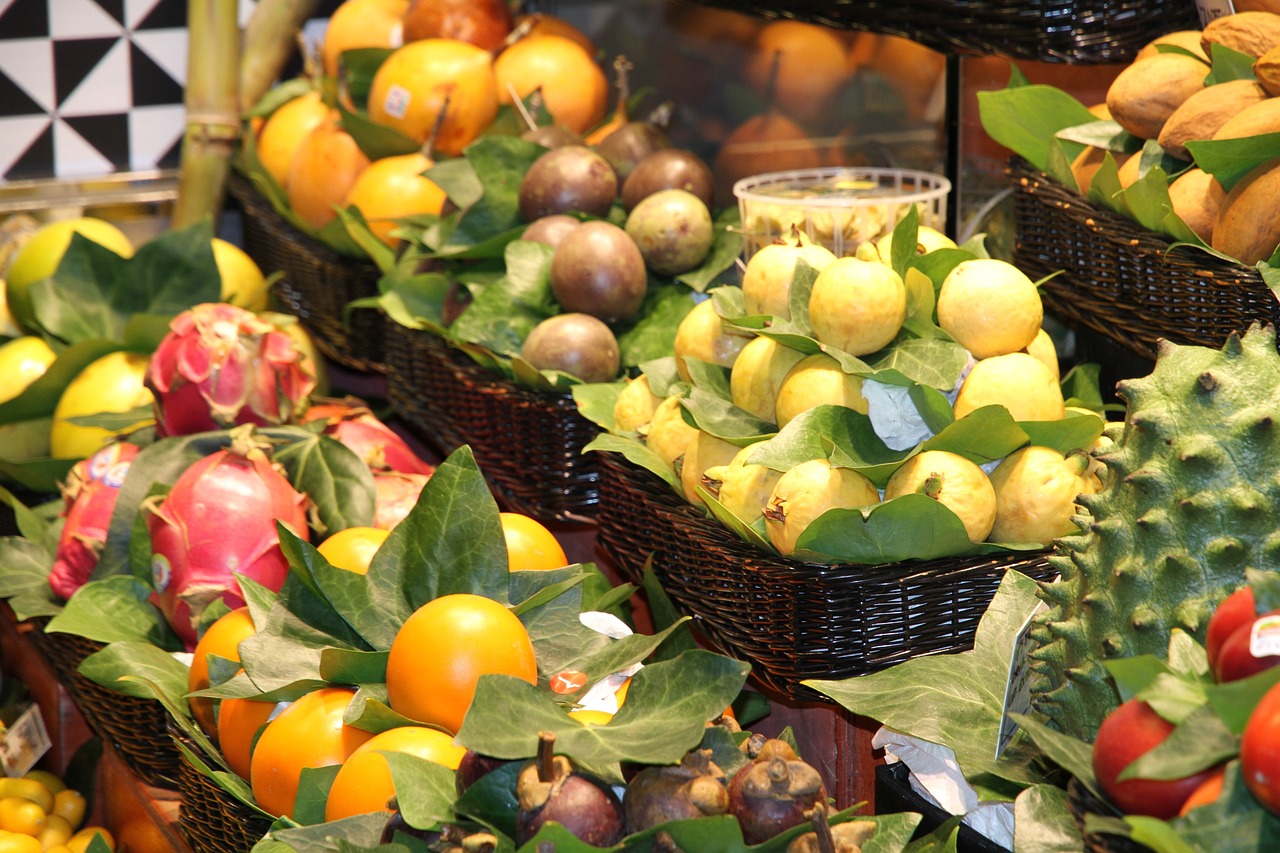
(1210, 9)
(24, 743)
(1017, 690)
(396, 103)
(1264, 637)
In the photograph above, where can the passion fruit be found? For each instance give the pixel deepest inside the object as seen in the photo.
(665, 169)
(565, 179)
(673, 230)
(577, 344)
(598, 270)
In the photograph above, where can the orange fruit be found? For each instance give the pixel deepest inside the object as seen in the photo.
(364, 783)
(362, 23)
(393, 187)
(551, 25)
(353, 549)
(284, 130)
(811, 63)
(769, 142)
(238, 723)
(309, 733)
(441, 651)
(574, 88)
(323, 170)
(529, 544)
(222, 638)
(409, 90)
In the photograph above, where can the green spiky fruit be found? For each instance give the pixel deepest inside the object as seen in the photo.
(1189, 502)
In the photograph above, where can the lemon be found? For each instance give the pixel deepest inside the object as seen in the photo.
(1036, 490)
(807, 491)
(40, 256)
(989, 307)
(816, 380)
(955, 482)
(113, 383)
(23, 361)
(668, 435)
(1017, 381)
(1044, 351)
(857, 306)
(243, 284)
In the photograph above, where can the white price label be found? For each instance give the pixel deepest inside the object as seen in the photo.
(1210, 9)
(1264, 637)
(1017, 690)
(24, 743)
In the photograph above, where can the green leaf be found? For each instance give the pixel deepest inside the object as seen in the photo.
(41, 396)
(1132, 675)
(499, 163)
(718, 416)
(362, 830)
(653, 333)
(1072, 755)
(313, 791)
(504, 313)
(1198, 742)
(1042, 821)
(905, 528)
(25, 579)
(1234, 701)
(372, 604)
(1107, 134)
(813, 433)
(1229, 160)
(954, 699)
(1229, 65)
(984, 435)
(369, 711)
(115, 609)
(353, 666)
(336, 480)
(597, 400)
(1026, 118)
(664, 615)
(424, 789)
(1233, 823)
(110, 665)
(635, 452)
(375, 140)
(904, 241)
(933, 362)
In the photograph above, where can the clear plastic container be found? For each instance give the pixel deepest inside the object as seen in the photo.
(839, 208)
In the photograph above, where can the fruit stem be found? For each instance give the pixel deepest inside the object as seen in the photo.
(546, 756)
(822, 829)
(771, 82)
(428, 147)
(620, 68)
(520, 31)
(932, 486)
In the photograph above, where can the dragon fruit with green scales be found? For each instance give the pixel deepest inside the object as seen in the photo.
(1191, 498)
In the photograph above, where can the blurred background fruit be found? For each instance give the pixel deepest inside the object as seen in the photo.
(41, 254)
(111, 384)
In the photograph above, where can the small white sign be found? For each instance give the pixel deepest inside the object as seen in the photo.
(1017, 690)
(24, 743)
(1210, 9)
(1264, 637)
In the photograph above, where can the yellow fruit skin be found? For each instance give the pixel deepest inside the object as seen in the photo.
(1036, 490)
(806, 492)
(757, 376)
(745, 487)
(989, 307)
(284, 131)
(705, 451)
(69, 805)
(243, 283)
(50, 780)
(955, 482)
(816, 380)
(22, 361)
(1017, 381)
(703, 335)
(857, 306)
(39, 258)
(635, 405)
(113, 383)
(766, 282)
(391, 188)
(668, 434)
(17, 842)
(27, 789)
(79, 843)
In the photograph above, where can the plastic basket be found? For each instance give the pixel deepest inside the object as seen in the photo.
(839, 208)
(210, 819)
(318, 283)
(136, 727)
(1107, 31)
(1122, 280)
(528, 443)
(791, 620)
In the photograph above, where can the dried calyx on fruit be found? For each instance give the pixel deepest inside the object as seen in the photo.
(693, 788)
(221, 366)
(842, 838)
(551, 789)
(775, 791)
(447, 839)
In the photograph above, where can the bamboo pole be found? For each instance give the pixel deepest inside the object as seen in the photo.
(269, 40)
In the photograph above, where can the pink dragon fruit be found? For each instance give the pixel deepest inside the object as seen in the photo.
(218, 519)
(377, 445)
(90, 492)
(395, 494)
(220, 366)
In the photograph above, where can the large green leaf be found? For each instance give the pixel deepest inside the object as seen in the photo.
(905, 528)
(636, 453)
(109, 666)
(499, 163)
(1229, 160)
(1026, 118)
(504, 313)
(24, 583)
(332, 475)
(115, 609)
(653, 333)
(1043, 823)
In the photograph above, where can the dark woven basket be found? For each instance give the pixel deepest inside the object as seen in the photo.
(210, 819)
(1045, 30)
(528, 443)
(318, 283)
(791, 620)
(136, 727)
(1081, 801)
(1121, 280)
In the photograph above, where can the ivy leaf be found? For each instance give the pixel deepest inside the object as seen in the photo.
(1229, 160)
(115, 609)
(111, 665)
(24, 583)
(1026, 118)
(1199, 741)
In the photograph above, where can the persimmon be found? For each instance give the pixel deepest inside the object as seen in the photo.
(364, 783)
(530, 545)
(574, 88)
(324, 169)
(222, 638)
(284, 130)
(362, 23)
(394, 187)
(239, 721)
(797, 67)
(411, 87)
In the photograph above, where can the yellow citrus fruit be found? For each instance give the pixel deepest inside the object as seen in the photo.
(1044, 351)
(243, 283)
(353, 548)
(952, 480)
(17, 842)
(113, 383)
(591, 717)
(49, 780)
(394, 187)
(69, 805)
(364, 783)
(79, 843)
(989, 307)
(807, 491)
(238, 723)
(22, 361)
(815, 380)
(1019, 382)
(41, 254)
(222, 638)
(362, 23)
(857, 306)
(56, 831)
(324, 169)
(409, 90)
(309, 733)
(18, 814)
(27, 789)
(441, 651)
(1036, 490)
(284, 130)
(530, 545)
(574, 87)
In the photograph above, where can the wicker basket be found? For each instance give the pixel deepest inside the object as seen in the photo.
(528, 443)
(1081, 801)
(1045, 30)
(791, 620)
(136, 727)
(1121, 280)
(317, 285)
(210, 819)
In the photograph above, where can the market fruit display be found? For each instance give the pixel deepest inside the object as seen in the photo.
(40, 255)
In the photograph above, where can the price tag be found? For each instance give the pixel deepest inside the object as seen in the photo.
(24, 743)
(1017, 690)
(1210, 9)
(1264, 637)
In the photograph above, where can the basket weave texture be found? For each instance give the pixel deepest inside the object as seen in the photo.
(1045, 30)
(1122, 280)
(211, 820)
(1081, 801)
(136, 727)
(528, 443)
(317, 285)
(792, 620)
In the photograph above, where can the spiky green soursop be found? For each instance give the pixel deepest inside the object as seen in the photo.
(1191, 499)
